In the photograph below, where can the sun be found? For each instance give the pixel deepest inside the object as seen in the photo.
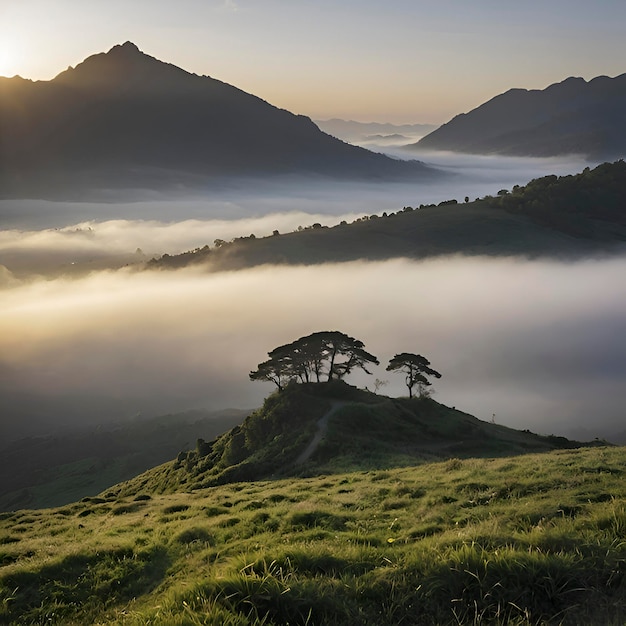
(8, 60)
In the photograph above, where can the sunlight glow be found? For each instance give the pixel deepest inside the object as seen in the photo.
(9, 59)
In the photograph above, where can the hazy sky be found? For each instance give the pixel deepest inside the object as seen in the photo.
(371, 60)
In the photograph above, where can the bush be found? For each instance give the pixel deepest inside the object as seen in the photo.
(195, 534)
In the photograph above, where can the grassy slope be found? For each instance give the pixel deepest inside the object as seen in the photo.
(556, 217)
(534, 539)
(367, 432)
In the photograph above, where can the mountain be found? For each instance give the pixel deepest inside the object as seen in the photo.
(126, 119)
(571, 117)
(319, 428)
(567, 216)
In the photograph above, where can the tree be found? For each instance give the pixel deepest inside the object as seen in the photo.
(273, 370)
(416, 367)
(339, 345)
(332, 354)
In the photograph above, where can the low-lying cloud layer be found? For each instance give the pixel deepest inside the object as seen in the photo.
(50, 237)
(116, 242)
(542, 345)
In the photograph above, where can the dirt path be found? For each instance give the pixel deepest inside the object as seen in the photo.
(322, 427)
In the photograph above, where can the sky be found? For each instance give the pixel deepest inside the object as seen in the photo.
(403, 61)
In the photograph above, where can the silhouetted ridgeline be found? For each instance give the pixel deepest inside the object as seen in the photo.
(571, 117)
(552, 216)
(123, 119)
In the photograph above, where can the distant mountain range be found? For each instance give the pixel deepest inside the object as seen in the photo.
(126, 119)
(571, 117)
(372, 133)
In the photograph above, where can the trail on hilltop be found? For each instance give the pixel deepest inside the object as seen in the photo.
(322, 428)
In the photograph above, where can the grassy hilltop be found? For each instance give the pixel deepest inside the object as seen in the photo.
(524, 538)
(362, 430)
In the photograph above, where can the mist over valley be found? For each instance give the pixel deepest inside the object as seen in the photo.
(538, 343)
(52, 236)
(93, 333)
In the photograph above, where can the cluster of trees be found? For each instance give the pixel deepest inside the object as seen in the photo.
(559, 201)
(328, 355)
(332, 355)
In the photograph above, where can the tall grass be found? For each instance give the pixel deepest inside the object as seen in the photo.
(535, 539)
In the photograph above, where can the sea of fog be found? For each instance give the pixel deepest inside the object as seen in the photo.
(42, 235)
(530, 344)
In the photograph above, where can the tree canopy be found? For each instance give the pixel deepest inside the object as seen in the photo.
(416, 367)
(328, 355)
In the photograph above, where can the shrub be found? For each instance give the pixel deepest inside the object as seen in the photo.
(195, 534)
(317, 519)
(175, 508)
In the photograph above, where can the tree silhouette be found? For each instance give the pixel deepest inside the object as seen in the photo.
(416, 367)
(330, 354)
(273, 370)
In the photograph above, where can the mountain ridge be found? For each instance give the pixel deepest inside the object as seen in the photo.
(553, 217)
(124, 119)
(569, 117)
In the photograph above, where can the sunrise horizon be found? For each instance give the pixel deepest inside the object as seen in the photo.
(409, 63)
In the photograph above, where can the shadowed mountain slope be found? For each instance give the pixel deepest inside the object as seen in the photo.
(351, 429)
(571, 117)
(52, 470)
(125, 119)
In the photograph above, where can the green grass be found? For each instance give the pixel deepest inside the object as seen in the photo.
(365, 431)
(532, 539)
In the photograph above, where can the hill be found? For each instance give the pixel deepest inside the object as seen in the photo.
(527, 540)
(571, 117)
(123, 119)
(565, 216)
(52, 470)
(350, 429)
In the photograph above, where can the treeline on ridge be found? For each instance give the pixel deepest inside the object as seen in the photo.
(588, 208)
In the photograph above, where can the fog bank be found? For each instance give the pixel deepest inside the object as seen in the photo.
(43, 236)
(234, 199)
(542, 345)
(117, 242)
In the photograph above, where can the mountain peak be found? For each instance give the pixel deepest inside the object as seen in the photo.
(127, 50)
(570, 117)
(125, 67)
(126, 107)
(126, 47)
